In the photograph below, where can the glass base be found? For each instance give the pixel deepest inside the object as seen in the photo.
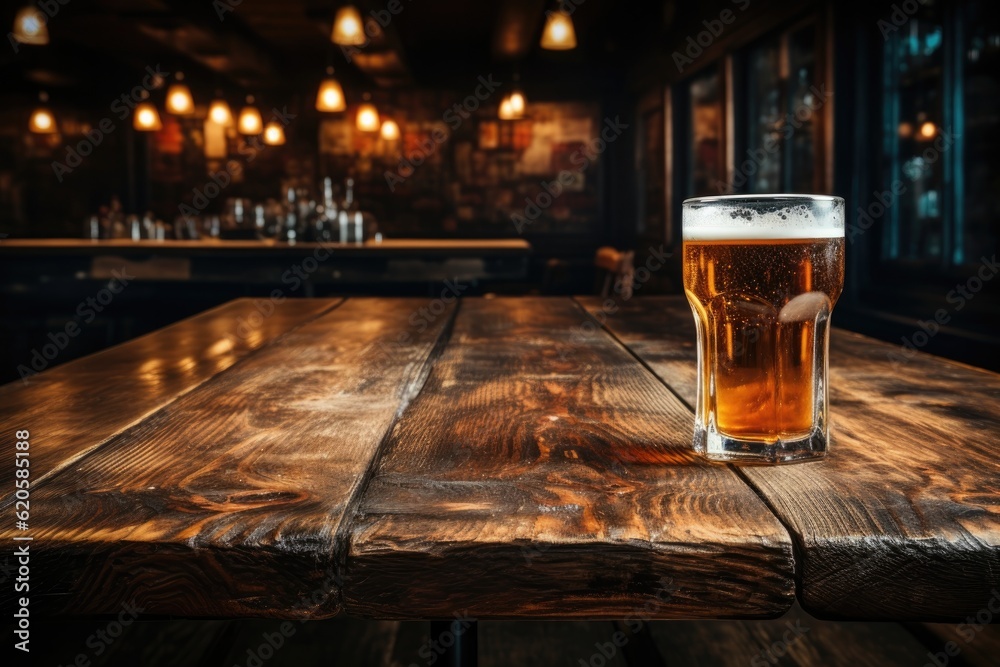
(718, 447)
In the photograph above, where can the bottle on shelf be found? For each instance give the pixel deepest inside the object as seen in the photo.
(290, 230)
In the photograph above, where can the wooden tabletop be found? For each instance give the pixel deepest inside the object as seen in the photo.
(496, 458)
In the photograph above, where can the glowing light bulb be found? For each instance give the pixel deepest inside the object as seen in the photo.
(146, 118)
(220, 113)
(367, 120)
(42, 121)
(390, 130)
(517, 104)
(506, 113)
(330, 96)
(30, 27)
(274, 134)
(250, 122)
(559, 34)
(179, 100)
(348, 29)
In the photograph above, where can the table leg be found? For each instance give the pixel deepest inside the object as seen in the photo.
(463, 652)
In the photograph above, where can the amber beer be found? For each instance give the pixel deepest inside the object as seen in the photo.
(762, 275)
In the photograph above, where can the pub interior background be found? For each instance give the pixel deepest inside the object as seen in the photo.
(894, 106)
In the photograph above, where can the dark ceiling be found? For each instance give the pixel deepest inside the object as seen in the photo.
(278, 45)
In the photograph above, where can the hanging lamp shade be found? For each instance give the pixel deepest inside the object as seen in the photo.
(30, 27)
(220, 113)
(250, 122)
(42, 121)
(330, 96)
(505, 112)
(146, 118)
(179, 100)
(348, 28)
(390, 130)
(274, 134)
(367, 119)
(559, 34)
(517, 104)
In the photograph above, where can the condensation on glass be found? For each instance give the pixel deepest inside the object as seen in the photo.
(762, 274)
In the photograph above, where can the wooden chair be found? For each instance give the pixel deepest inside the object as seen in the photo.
(619, 268)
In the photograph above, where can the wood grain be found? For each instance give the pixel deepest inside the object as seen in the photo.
(542, 472)
(902, 520)
(73, 408)
(228, 500)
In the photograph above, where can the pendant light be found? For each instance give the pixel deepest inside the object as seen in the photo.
(30, 27)
(179, 100)
(42, 121)
(348, 29)
(390, 130)
(330, 96)
(559, 34)
(367, 119)
(505, 112)
(146, 118)
(250, 122)
(219, 111)
(517, 103)
(274, 134)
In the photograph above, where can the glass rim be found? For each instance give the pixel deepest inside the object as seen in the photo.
(762, 198)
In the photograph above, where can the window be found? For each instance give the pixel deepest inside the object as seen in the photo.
(778, 113)
(941, 135)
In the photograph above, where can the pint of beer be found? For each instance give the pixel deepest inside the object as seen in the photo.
(762, 274)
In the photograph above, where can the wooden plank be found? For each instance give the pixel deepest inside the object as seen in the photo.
(902, 520)
(545, 473)
(73, 408)
(228, 501)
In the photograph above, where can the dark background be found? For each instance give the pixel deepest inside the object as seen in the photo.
(871, 79)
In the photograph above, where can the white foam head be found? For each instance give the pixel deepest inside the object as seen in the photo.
(762, 217)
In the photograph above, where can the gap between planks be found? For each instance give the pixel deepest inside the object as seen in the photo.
(342, 536)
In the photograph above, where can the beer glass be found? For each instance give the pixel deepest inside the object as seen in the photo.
(762, 274)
